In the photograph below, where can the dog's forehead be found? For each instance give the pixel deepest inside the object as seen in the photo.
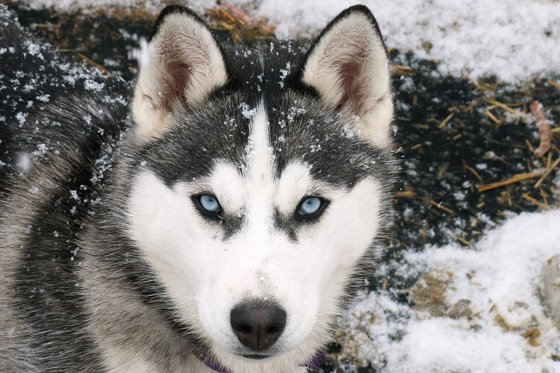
(263, 102)
(257, 171)
(283, 158)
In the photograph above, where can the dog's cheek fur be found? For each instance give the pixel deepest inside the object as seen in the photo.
(337, 244)
(171, 235)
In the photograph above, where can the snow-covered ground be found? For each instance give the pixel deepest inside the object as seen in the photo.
(513, 39)
(477, 309)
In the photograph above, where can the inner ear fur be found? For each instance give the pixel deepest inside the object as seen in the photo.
(185, 65)
(349, 68)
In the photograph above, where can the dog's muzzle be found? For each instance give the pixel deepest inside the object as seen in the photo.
(257, 324)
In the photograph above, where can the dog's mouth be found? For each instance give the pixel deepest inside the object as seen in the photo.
(314, 362)
(256, 357)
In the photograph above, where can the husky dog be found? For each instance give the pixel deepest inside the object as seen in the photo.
(218, 216)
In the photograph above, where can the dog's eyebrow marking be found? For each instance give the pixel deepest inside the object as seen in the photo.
(294, 183)
(226, 182)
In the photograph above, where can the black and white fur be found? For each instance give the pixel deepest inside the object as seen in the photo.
(109, 261)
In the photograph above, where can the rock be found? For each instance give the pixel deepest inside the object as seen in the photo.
(461, 309)
(551, 287)
(429, 293)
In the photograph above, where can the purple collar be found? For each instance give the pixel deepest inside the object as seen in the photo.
(314, 362)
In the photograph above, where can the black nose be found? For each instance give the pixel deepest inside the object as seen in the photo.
(256, 326)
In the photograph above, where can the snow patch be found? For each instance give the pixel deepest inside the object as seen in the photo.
(474, 310)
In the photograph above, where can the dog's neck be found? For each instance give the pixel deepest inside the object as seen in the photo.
(211, 363)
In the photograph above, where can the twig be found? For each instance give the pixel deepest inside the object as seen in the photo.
(515, 179)
(553, 83)
(491, 116)
(227, 15)
(236, 12)
(472, 170)
(531, 199)
(47, 25)
(544, 129)
(462, 240)
(405, 194)
(444, 122)
(548, 171)
(442, 207)
(506, 108)
(399, 242)
(401, 67)
(94, 64)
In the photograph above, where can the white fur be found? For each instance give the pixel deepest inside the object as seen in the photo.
(206, 275)
(353, 44)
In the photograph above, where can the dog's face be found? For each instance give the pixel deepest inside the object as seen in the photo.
(255, 206)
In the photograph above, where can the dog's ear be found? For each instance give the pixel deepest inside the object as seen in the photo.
(185, 65)
(348, 66)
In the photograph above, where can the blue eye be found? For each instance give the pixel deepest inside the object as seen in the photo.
(209, 204)
(311, 208)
